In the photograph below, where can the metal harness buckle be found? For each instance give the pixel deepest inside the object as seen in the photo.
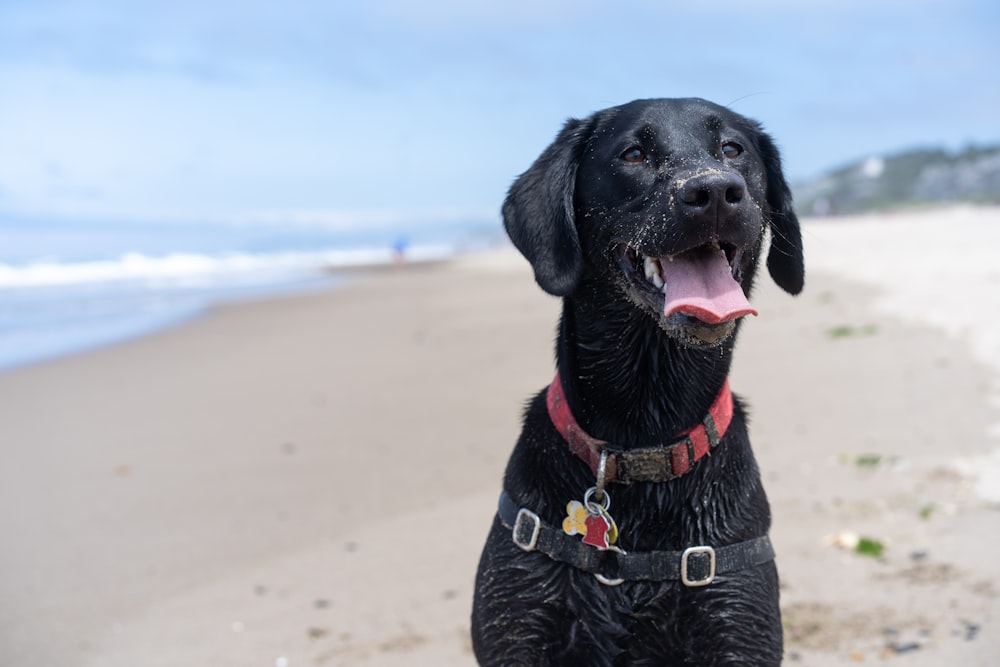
(705, 581)
(532, 542)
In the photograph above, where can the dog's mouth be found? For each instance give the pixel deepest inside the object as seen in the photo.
(697, 293)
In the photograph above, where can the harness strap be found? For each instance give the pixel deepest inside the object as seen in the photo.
(695, 566)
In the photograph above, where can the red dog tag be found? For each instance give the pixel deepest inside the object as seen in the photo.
(597, 531)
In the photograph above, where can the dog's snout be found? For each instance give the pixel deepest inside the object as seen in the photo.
(714, 193)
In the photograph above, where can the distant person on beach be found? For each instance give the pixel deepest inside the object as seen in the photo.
(399, 249)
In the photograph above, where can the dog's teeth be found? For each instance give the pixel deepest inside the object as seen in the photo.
(652, 268)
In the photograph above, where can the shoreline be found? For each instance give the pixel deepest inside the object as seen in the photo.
(309, 478)
(174, 306)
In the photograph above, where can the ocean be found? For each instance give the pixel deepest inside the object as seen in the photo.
(70, 286)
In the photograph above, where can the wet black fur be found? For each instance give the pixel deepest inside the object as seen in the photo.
(631, 380)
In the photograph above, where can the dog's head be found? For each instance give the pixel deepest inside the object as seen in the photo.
(666, 199)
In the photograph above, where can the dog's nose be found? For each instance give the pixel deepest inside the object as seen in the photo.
(714, 194)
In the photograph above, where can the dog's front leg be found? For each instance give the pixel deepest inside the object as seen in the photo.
(532, 611)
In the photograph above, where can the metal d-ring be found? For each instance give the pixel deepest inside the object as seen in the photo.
(601, 505)
(602, 477)
(617, 581)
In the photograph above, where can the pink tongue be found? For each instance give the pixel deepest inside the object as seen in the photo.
(701, 284)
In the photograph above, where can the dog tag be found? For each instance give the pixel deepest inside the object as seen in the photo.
(591, 519)
(575, 522)
(598, 529)
(612, 529)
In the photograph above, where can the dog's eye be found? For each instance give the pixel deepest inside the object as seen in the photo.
(634, 154)
(731, 150)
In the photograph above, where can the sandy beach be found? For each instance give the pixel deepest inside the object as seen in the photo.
(308, 480)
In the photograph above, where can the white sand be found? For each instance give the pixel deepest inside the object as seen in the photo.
(939, 268)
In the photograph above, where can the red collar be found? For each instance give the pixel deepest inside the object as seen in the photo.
(658, 463)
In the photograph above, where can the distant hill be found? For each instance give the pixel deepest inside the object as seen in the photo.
(902, 180)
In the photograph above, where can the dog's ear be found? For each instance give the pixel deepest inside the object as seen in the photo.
(784, 260)
(538, 212)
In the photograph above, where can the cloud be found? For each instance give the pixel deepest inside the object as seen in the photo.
(226, 108)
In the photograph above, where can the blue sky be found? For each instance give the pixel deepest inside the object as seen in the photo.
(341, 111)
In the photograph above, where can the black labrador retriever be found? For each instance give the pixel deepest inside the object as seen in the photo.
(648, 219)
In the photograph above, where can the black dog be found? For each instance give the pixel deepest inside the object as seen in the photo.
(648, 219)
